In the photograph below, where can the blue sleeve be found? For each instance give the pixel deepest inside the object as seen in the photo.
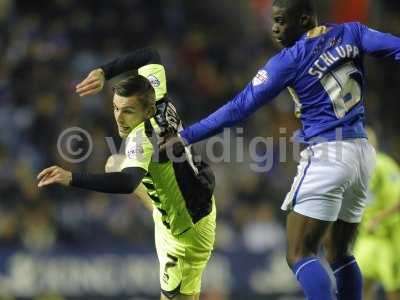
(377, 43)
(275, 76)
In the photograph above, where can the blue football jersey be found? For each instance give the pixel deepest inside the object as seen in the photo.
(324, 75)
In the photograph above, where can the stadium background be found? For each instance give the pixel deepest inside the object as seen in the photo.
(58, 244)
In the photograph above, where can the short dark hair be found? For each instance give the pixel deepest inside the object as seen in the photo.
(136, 85)
(299, 6)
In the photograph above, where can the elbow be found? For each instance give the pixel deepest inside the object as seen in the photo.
(128, 185)
(129, 188)
(154, 55)
(131, 179)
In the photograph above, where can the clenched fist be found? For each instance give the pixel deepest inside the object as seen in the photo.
(54, 175)
(92, 84)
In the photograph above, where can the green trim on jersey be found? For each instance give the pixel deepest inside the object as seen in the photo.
(155, 73)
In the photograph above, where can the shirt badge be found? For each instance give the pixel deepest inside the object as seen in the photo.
(261, 77)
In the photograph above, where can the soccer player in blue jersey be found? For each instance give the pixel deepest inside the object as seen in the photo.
(322, 66)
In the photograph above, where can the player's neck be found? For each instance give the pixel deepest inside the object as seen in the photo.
(316, 31)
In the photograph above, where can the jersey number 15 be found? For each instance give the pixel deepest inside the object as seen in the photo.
(343, 88)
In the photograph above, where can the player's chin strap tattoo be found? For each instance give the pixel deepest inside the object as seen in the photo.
(124, 182)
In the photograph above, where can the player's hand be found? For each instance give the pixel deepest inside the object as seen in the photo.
(172, 144)
(92, 84)
(54, 175)
(167, 118)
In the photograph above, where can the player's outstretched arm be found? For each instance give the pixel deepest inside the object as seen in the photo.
(131, 61)
(94, 81)
(54, 175)
(113, 164)
(376, 43)
(124, 182)
(276, 75)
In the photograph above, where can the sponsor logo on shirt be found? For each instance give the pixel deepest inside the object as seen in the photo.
(155, 82)
(135, 151)
(261, 77)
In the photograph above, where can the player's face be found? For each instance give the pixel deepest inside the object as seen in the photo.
(129, 113)
(286, 29)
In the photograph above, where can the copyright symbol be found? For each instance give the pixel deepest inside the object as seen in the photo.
(74, 144)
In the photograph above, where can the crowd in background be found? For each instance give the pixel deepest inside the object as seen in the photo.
(210, 49)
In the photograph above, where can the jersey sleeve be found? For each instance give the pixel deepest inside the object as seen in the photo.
(376, 43)
(276, 75)
(138, 151)
(155, 73)
(131, 61)
(147, 62)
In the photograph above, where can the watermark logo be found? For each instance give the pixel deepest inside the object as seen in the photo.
(260, 153)
(74, 145)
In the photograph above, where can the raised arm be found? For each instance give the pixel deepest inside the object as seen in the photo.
(276, 75)
(138, 152)
(146, 61)
(377, 43)
(131, 61)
